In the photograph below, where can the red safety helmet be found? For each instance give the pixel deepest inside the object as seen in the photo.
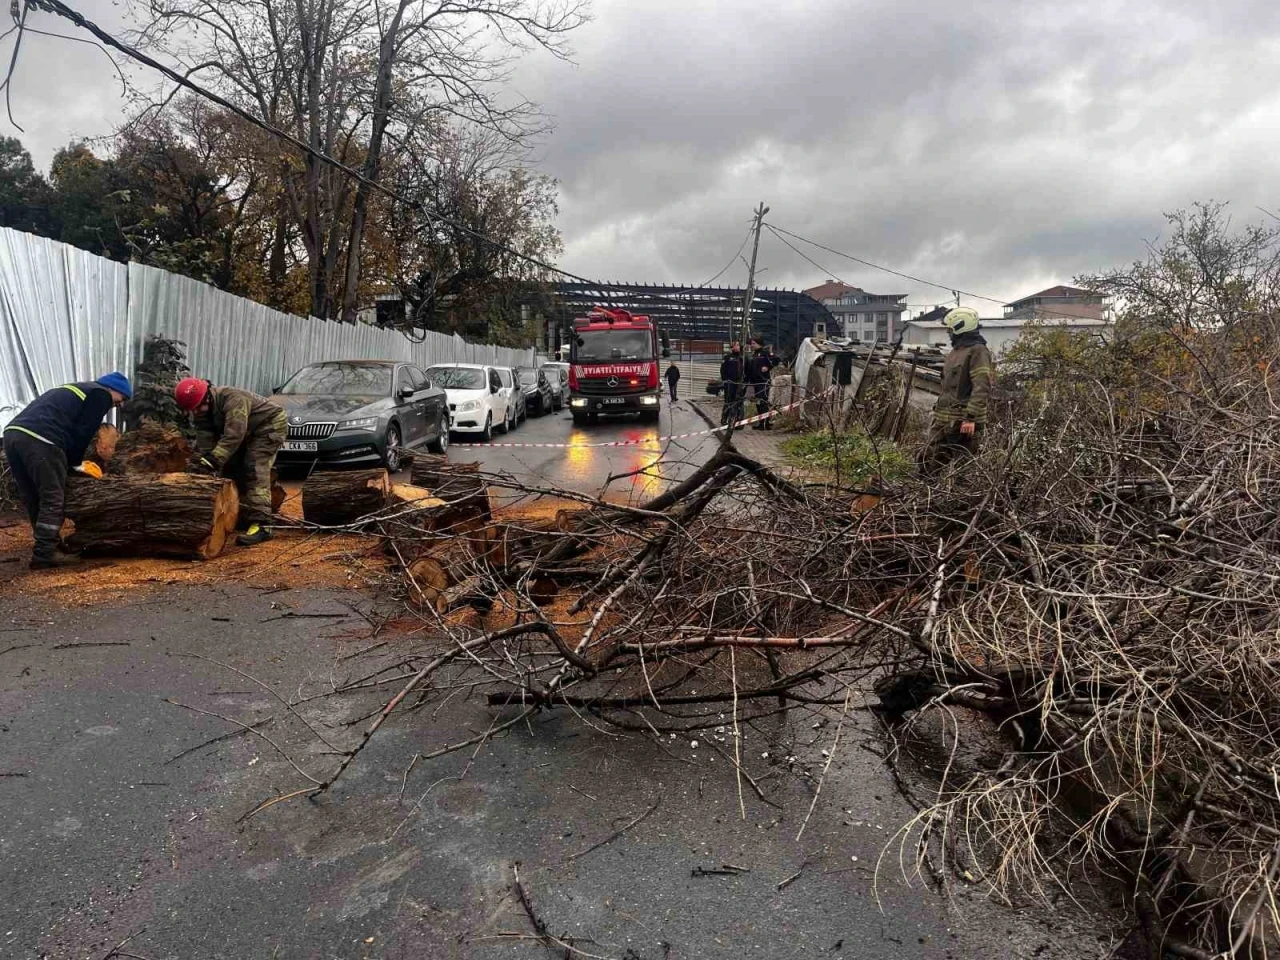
(190, 393)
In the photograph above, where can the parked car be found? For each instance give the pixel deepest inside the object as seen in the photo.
(515, 397)
(361, 412)
(537, 390)
(475, 395)
(558, 376)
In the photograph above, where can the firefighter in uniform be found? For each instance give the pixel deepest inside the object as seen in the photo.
(238, 435)
(960, 415)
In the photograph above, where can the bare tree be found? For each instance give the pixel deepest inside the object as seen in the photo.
(354, 81)
(442, 59)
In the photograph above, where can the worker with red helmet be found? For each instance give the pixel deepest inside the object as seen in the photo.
(238, 435)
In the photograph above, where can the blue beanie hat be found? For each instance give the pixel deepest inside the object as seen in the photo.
(117, 382)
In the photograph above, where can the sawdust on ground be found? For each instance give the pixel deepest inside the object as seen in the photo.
(291, 560)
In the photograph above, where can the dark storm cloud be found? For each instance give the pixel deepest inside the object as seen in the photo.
(995, 146)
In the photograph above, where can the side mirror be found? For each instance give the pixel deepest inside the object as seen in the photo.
(406, 392)
(493, 388)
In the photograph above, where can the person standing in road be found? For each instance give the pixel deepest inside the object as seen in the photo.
(52, 431)
(758, 376)
(960, 415)
(673, 378)
(731, 374)
(238, 435)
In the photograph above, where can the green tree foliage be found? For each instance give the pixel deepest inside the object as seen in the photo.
(26, 200)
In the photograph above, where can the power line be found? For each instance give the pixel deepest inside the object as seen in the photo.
(62, 10)
(742, 246)
(876, 266)
(779, 231)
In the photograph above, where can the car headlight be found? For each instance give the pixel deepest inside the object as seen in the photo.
(365, 423)
(468, 406)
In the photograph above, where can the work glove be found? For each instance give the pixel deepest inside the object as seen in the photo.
(205, 467)
(89, 469)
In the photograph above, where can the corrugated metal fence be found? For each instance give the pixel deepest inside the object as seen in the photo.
(66, 314)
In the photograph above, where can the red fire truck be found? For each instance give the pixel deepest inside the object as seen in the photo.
(613, 366)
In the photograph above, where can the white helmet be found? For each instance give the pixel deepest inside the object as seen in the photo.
(961, 320)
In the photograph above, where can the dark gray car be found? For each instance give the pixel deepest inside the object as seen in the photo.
(361, 412)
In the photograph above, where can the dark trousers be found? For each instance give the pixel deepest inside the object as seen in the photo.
(40, 474)
(672, 385)
(760, 393)
(732, 410)
(946, 445)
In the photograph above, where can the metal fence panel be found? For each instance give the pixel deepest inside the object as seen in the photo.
(62, 313)
(67, 314)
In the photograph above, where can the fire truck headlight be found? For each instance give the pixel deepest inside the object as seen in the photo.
(649, 401)
(578, 402)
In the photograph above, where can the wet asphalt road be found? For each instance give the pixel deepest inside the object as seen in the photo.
(110, 830)
(107, 831)
(642, 469)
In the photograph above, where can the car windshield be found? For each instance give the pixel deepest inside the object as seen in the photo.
(600, 346)
(340, 380)
(528, 377)
(457, 378)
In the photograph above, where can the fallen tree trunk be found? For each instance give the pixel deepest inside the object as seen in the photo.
(172, 515)
(339, 498)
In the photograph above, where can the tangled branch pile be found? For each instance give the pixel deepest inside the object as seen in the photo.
(1102, 582)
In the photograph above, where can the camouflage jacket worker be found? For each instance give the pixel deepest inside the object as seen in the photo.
(967, 377)
(234, 416)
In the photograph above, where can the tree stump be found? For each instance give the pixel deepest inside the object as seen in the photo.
(341, 497)
(172, 515)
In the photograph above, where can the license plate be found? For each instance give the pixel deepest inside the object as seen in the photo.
(301, 446)
(614, 400)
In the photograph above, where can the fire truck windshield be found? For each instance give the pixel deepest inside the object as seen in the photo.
(601, 346)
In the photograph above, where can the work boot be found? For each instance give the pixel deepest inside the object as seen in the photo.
(254, 535)
(48, 555)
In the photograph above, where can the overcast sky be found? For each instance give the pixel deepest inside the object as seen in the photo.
(999, 147)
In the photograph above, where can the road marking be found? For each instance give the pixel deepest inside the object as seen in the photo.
(658, 440)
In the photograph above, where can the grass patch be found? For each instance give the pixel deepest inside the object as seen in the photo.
(855, 455)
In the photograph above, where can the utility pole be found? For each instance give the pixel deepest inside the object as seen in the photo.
(751, 278)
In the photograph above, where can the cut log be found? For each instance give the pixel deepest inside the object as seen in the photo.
(471, 592)
(172, 515)
(8, 489)
(432, 470)
(542, 590)
(341, 497)
(103, 446)
(409, 495)
(152, 449)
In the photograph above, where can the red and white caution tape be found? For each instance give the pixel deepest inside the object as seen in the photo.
(659, 440)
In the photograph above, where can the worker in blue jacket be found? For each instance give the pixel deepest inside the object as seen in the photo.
(52, 432)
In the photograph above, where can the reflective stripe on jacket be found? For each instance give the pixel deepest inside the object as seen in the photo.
(67, 416)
